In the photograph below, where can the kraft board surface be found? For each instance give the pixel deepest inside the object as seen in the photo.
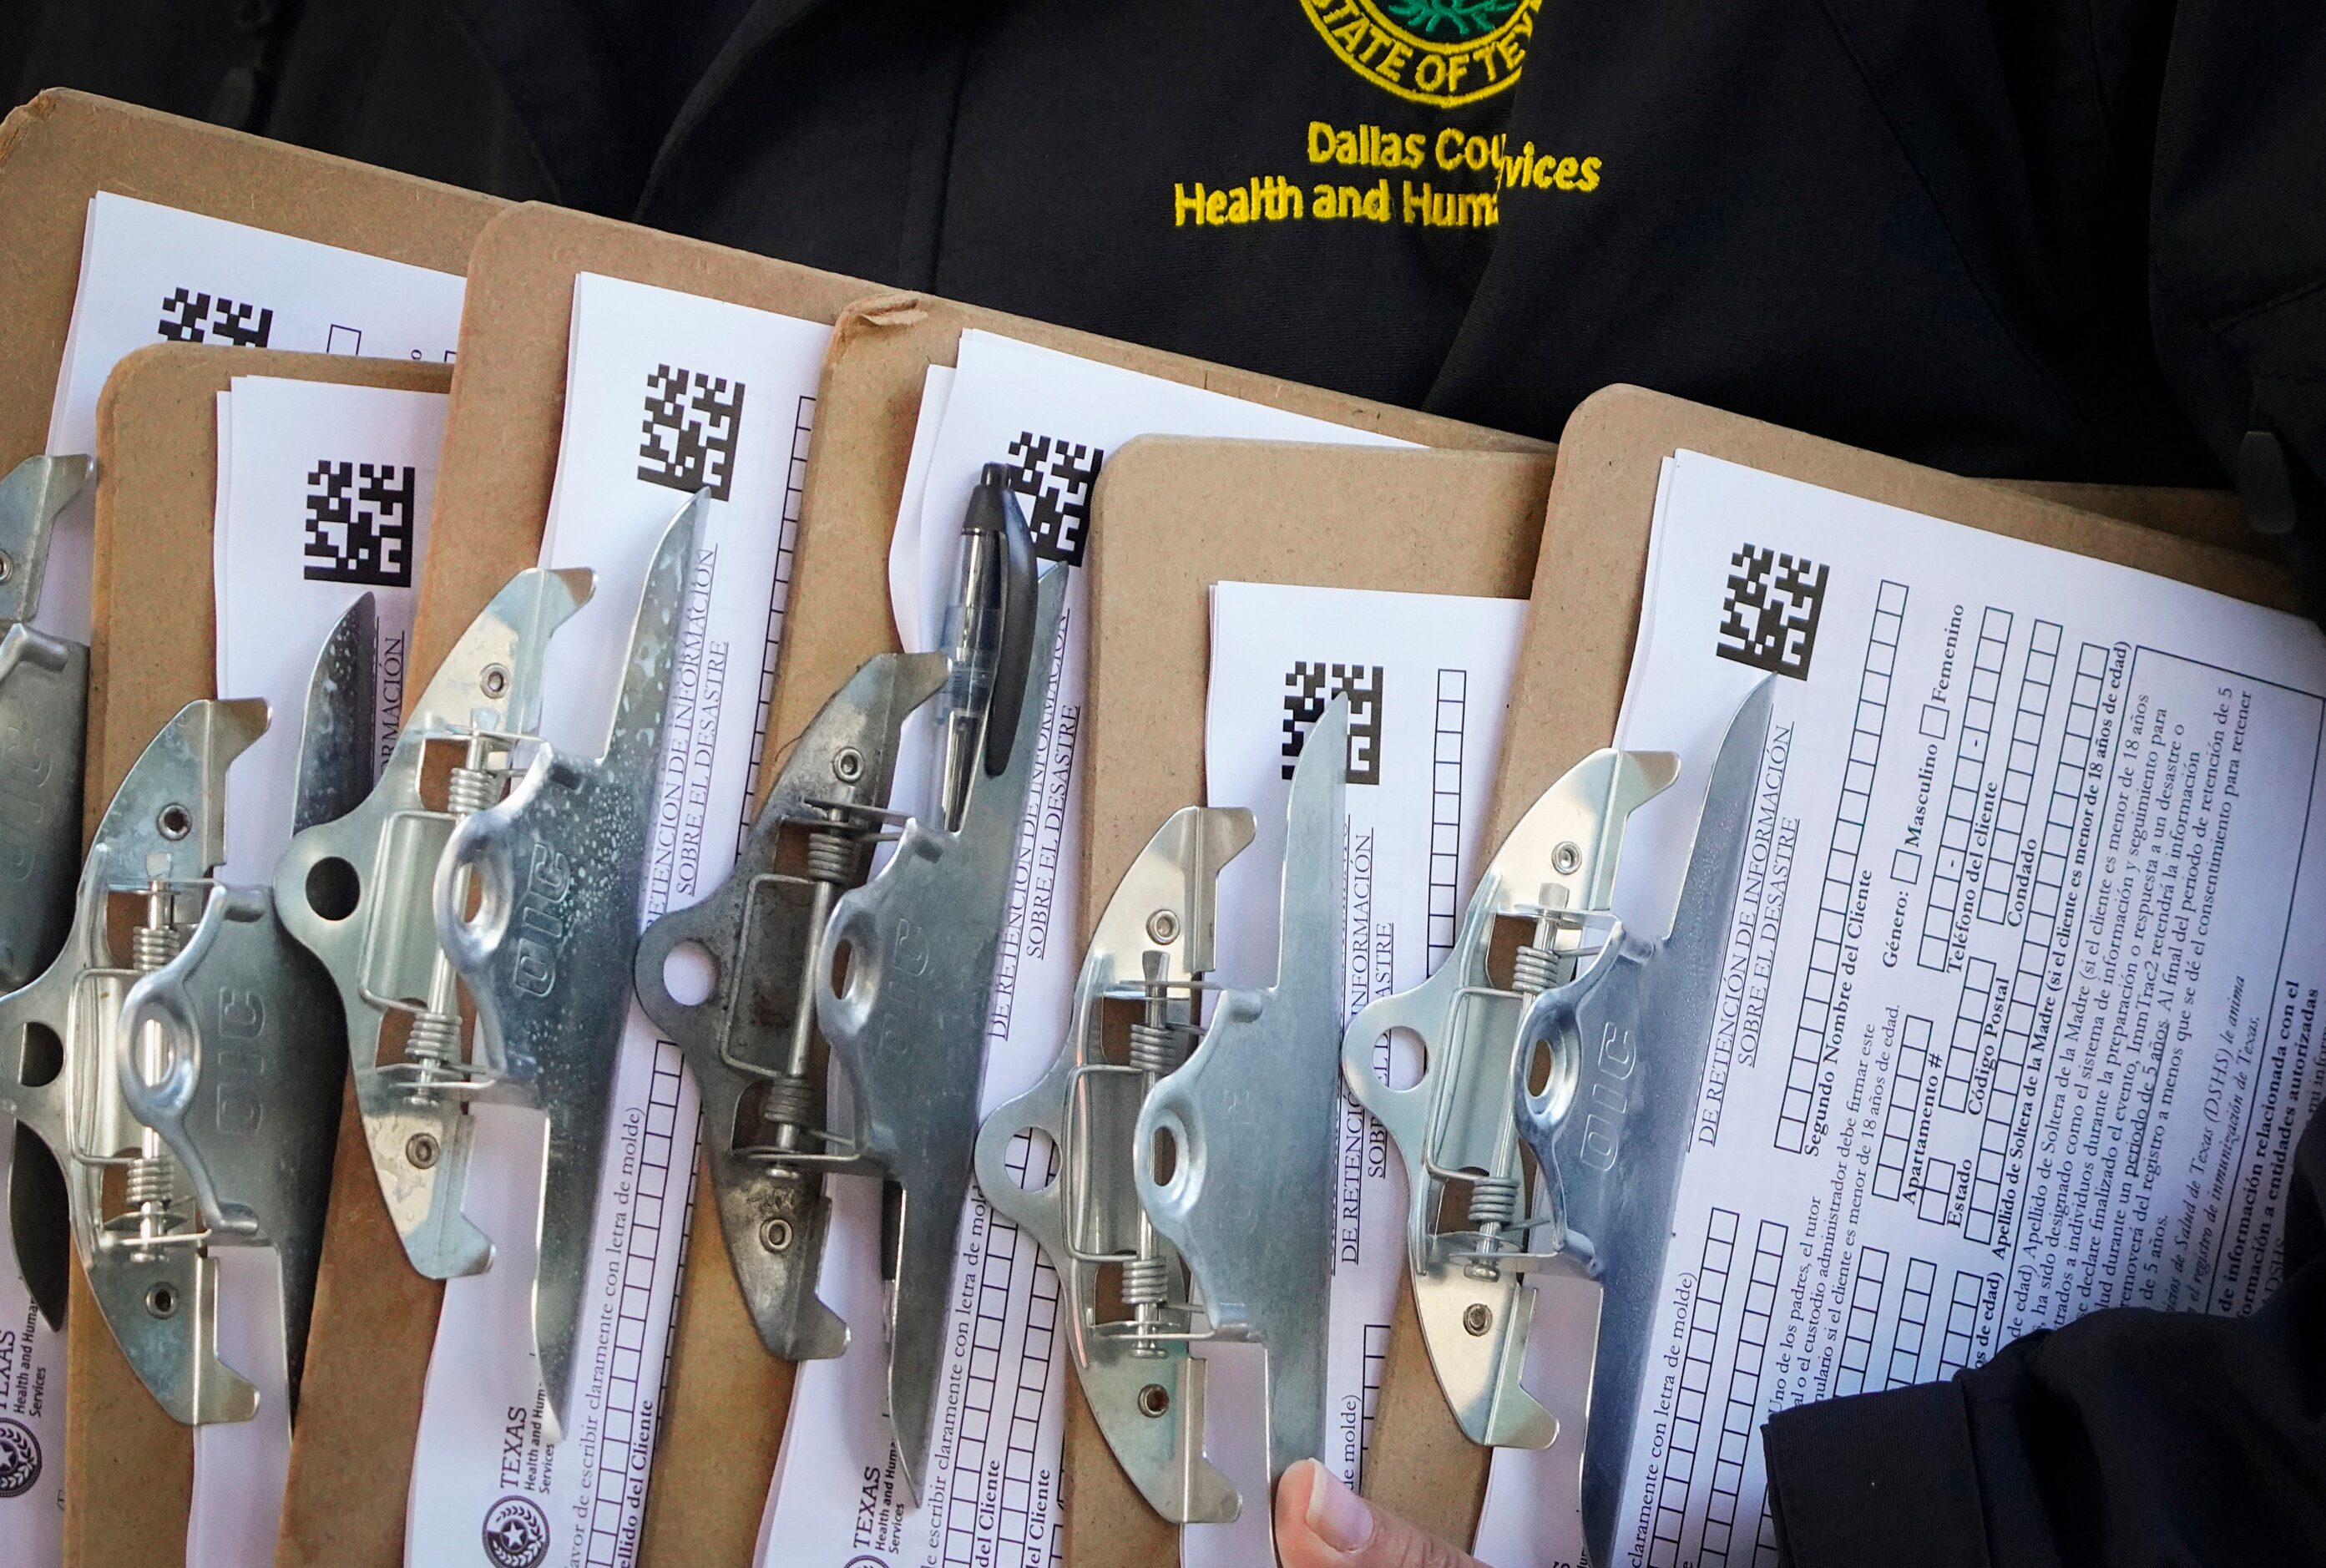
(1177, 516)
(129, 1468)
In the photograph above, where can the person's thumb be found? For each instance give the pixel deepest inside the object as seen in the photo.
(1320, 1523)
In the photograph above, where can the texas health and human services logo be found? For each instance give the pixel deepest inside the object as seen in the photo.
(516, 1533)
(1445, 53)
(20, 1459)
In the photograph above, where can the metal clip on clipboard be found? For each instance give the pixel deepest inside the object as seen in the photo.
(43, 715)
(228, 1054)
(1193, 1152)
(894, 975)
(217, 1104)
(514, 885)
(1554, 1029)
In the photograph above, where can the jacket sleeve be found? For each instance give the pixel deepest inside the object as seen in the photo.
(2126, 1440)
(2237, 254)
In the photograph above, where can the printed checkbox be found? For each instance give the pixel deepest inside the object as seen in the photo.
(1934, 721)
(343, 340)
(1905, 866)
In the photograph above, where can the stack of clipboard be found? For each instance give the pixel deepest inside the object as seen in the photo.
(1453, 509)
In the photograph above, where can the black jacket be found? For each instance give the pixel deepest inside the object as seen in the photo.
(2062, 238)
(2057, 238)
(2127, 1439)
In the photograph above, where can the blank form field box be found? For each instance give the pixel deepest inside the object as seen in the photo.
(344, 341)
(1905, 865)
(1934, 721)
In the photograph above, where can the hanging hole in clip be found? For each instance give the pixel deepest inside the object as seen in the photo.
(1401, 1058)
(333, 888)
(843, 965)
(39, 1058)
(690, 974)
(1033, 1159)
(1163, 1156)
(160, 1049)
(1540, 1061)
(1552, 1073)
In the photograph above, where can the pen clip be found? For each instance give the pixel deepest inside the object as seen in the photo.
(1014, 637)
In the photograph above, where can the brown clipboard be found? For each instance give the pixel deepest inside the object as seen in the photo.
(375, 1318)
(1175, 517)
(726, 1398)
(1575, 658)
(129, 1467)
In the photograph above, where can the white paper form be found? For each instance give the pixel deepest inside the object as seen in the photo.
(723, 398)
(2017, 1019)
(1428, 678)
(905, 562)
(324, 493)
(154, 275)
(991, 1490)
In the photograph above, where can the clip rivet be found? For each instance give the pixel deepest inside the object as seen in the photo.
(494, 682)
(848, 765)
(1565, 859)
(420, 1150)
(776, 1233)
(162, 1301)
(1154, 1399)
(1163, 926)
(173, 821)
(1477, 1318)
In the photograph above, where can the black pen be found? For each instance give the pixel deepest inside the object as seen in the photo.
(995, 569)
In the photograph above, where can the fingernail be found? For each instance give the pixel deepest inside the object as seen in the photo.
(1337, 1514)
